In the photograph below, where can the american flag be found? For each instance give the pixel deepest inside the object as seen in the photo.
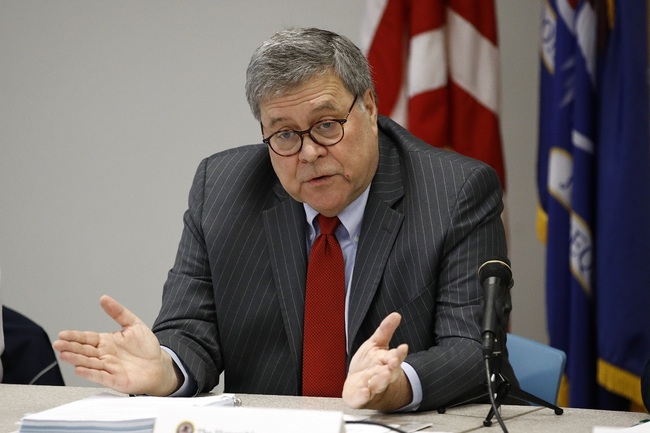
(436, 69)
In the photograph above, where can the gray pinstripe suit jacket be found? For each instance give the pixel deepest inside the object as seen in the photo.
(234, 298)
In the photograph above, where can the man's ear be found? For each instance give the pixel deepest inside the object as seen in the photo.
(370, 104)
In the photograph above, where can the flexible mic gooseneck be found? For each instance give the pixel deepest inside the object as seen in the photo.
(495, 276)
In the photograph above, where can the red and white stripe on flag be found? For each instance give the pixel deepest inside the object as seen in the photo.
(435, 65)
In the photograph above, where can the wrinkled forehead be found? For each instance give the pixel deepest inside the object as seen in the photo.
(279, 88)
(318, 95)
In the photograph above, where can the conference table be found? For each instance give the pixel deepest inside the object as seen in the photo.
(19, 400)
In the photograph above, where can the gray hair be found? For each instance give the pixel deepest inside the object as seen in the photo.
(291, 57)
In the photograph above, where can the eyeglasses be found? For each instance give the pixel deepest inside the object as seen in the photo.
(327, 132)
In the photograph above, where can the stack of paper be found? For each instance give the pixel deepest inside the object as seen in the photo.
(112, 413)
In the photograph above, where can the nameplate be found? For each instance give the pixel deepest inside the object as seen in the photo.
(248, 420)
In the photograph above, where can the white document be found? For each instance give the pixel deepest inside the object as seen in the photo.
(107, 412)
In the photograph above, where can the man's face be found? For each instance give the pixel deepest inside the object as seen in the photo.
(328, 178)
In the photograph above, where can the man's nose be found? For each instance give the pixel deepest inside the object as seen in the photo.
(311, 150)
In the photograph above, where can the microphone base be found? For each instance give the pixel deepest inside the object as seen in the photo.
(502, 390)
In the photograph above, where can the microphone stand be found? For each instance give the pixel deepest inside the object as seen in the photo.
(501, 388)
(496, 386)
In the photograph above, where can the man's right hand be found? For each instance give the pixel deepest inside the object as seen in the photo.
(130, 360)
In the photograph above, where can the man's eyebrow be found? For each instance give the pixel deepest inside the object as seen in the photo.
(325, 106)
(320, 108)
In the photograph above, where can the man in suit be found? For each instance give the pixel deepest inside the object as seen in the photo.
(416, 223)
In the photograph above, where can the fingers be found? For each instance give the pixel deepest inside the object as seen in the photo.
(79, 337)
(114, 309)
(85, 348)
(357, 396)
(386, 329)
(76, 347)
(79, 349)
(379, 377)
(364, 385)
(375, 377)
(79, 360)
(359, 391)
(394, 357)
(118, 312)
(84, 343)
(372, 351)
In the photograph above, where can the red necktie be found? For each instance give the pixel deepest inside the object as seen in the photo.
(323, 355)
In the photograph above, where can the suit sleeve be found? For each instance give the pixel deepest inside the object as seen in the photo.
(473, 234)
(186, 323)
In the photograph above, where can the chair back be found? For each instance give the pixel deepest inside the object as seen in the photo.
(538, 367)
(28, 357)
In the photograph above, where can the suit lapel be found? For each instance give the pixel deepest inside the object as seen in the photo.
(381, 224)
(285, 234)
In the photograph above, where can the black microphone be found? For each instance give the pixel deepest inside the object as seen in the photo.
(495, 276)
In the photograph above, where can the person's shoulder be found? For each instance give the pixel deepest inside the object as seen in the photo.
(251, 151)
(242, 158)
(417, 149)
(236, 165)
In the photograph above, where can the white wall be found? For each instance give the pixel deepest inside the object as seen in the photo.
(106, 109)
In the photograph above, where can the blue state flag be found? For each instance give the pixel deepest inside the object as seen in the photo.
(582, 119)
(623, 203)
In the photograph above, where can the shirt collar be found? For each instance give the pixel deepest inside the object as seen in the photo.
(350, 217)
